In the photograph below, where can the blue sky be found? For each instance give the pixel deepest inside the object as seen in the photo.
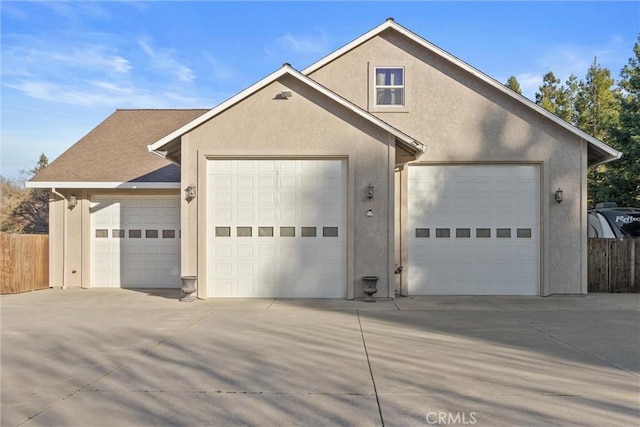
(67, 65)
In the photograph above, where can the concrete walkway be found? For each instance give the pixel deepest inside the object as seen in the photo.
(129, 358)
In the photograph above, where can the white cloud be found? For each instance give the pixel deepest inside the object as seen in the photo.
(76, 11)
(36, 57)
(92, 74)
(219, 70)
(108, 94)
(113, 88)
(305, 44)
(163, 59)
(299, 49)
(564, 59)
(86, 95)
(529, 83)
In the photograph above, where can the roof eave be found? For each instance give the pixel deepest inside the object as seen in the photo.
(605, 159)
(161, 143)
(390, 23)
(286, 69)
(104, 185)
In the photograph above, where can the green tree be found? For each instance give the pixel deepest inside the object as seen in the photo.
(596, 104)
(553, 97)
(597, 108)
(623, 176)
(24, 210)
(512, 83)
(570, 90)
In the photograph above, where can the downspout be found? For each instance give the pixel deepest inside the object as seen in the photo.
(64, 233)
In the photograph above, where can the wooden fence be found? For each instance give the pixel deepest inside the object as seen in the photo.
(24, 262)
(614, 265)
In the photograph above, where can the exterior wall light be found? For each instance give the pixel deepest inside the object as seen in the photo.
(72, 202)
(370, 188)
(558, 196)
(286, 94)
(191, 192)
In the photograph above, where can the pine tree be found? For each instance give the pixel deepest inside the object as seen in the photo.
(554, 98)
(512, 83)
(597, 106)
(623, 176)
(596, 112)
(570, 90)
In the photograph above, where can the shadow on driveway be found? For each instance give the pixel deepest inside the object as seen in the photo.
(118, 357)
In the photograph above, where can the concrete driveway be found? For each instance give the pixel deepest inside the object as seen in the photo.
(129, 358)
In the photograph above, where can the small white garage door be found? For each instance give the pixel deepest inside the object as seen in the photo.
(135, 242)
(474, 230)
(276, 228)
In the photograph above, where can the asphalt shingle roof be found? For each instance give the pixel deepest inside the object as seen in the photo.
(116, 150)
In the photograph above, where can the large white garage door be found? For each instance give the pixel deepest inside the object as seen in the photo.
(474, 230)
(276, 228)
(135, 242)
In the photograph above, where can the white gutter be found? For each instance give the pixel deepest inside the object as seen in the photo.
(160, 153)
(127, 185)
(64, 233)
(593, 165)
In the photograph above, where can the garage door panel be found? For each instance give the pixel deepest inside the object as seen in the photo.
(491, 217)
(246, 214)
(266, 270)
(222, 197)
(244, 287)
(221, 182)
(222, 250)
(267, 214)
(221, 214)
(288, 252)
(222, 269)
(244, 269)
(138, 250)
(243, 182)
(244, 166)
(288, 214)
(267, 251)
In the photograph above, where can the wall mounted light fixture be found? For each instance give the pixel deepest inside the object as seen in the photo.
(191, 192)
(286, 93)
(72, 201)
(559, 196)
(370, 189)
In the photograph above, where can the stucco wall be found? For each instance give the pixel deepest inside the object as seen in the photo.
(70, 234)
(306, 125)
(56, 248)
(66, 236)
(462, 119)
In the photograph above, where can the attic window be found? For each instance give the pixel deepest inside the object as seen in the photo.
(389, 86)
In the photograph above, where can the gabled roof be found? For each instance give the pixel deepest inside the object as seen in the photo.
(114, 154)
(286, 69)
(599, 152)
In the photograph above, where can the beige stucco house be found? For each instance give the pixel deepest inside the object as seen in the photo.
(389, 157)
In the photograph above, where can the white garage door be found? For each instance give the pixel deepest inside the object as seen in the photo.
(276, 228)
(474, 230)
(135, 242)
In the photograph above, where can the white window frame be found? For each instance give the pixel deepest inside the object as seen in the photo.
(372, 99)
(377, 86)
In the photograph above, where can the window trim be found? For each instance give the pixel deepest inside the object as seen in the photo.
(373, 104)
